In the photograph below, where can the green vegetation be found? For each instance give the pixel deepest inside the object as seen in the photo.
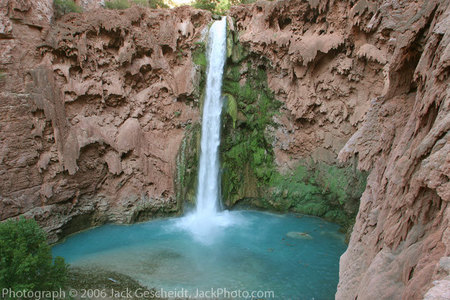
(63, 7)
(246, 151)
(219, 7)
(199, 58)
(124, 4)
(247, 157)
(26, 260)
(189, 153)
(151, 3)
(318, 189)
(117, 4)
(187, 164)
(205, 4)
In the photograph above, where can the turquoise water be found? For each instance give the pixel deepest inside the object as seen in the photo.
(262, 251)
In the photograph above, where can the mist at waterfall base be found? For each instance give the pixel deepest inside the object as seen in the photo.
(295, 257)
(206, 220)
(258, 254)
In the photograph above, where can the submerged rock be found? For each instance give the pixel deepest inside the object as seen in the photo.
(299, 235)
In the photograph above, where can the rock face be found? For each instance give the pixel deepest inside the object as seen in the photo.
(316, 70)
(402, 229)
(380, 68)
(94, 108)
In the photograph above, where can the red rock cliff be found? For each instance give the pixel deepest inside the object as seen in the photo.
(94, 108)
(376, 71)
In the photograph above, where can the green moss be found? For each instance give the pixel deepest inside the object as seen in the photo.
(231, 108)
(200, 58)
(246, 154)
(318, 189)
(187, 165)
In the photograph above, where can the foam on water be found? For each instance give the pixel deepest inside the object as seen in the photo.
(205, 222)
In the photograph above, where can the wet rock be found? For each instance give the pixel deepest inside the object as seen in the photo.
(299, 235)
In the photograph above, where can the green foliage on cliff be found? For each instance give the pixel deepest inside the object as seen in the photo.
(247, 157)
(151, 3)
(26, 259)
(231, 108)
(117, 4)
(246, 153)
(199, 56)
(63, 7)
(318, 189)
(187, 164)
(205, 4)
(219, 7)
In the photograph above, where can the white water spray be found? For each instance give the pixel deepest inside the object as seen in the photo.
(205, 221)
(208, 176)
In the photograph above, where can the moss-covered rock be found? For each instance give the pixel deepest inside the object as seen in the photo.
(249, 175)
(315, 188)
(187, 165)
(200, 62)
(245, 152)
(231, 108)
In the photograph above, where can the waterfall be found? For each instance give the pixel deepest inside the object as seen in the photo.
(208, 176)
(206, 220)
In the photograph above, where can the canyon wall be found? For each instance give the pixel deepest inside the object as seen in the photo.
(380, 68)
(94, 109)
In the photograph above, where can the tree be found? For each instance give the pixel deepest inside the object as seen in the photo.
(26, 261)
(63, 7)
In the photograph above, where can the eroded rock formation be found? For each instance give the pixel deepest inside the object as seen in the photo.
(317, 70)
(94, 110)
(402, 227)
(380, 67)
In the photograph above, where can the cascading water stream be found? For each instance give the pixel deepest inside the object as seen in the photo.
(205, 221)
(208, 177)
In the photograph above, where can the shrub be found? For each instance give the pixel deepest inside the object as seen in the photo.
(117, 4)
(26, 259)
(151, 3)
(205, 4)
(63, 7)
(219, 6)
